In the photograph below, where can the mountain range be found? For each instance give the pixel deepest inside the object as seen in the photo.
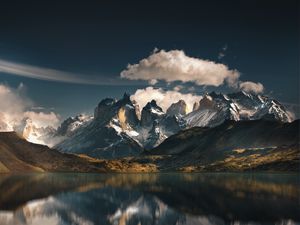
(238, 131)
(120, 129)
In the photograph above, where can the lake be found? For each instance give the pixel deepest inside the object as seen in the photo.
(170, 198)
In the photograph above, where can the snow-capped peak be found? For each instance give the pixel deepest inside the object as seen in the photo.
(215, 108)
(150, 113)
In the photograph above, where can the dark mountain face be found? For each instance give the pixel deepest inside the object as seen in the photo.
(69, 125)
(231, 135)
(103, 110)
(108, 108)
(207, 102)
(116, 130)
(150, 113)
(105, 136)
(177, 109)
(231, 146)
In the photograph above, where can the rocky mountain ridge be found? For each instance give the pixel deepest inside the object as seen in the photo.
(120, 129)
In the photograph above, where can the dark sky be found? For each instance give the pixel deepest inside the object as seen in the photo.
(100, 39)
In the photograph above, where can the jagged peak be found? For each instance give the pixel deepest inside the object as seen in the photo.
(207, 97)
(111, 101)
(196, 106)
(79, 117)
(213, 94)
(107, 102)
(125, 100)
(180, 102)
(177, 108)
(151, 105)
(241, 94)
(126, 96)
(206, 102)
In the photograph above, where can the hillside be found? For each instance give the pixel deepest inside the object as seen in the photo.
(231, 135)
(120, 129)
(18, 155)
(260, 145)
(232, 146)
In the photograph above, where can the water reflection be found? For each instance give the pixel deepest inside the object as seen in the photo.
(149, 199)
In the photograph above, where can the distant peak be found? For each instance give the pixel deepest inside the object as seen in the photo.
(240, 94)
(177, 108)
(151, 105)
(181, 101)
(213, 94)
(107, 101)
(125, 100)
(126, 96)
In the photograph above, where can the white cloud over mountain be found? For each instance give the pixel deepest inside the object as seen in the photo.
(175, 65)
(163, 98)
(15, 107)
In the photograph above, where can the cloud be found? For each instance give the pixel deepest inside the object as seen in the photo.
(293, 109)
(178, 87)
(153, 81)
(15, 107)
(163, 98)
(13, 102)
(221, 55)
(42, 119)
(250, 86)
(175, 65)
(41, 73)
(222, 52)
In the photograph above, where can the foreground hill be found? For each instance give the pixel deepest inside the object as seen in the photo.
(19, 155)
(231, 135)
(232, 146)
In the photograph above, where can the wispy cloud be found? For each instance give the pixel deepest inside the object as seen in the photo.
(250, 86)
(41, 73)
(222, 52)
(221, 55)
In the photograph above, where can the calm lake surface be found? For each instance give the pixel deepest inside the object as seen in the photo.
(175, 198)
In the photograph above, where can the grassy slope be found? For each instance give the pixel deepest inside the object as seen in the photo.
(18, 155)
(232, 146)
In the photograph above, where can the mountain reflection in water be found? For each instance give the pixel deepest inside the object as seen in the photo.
(84, 199)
